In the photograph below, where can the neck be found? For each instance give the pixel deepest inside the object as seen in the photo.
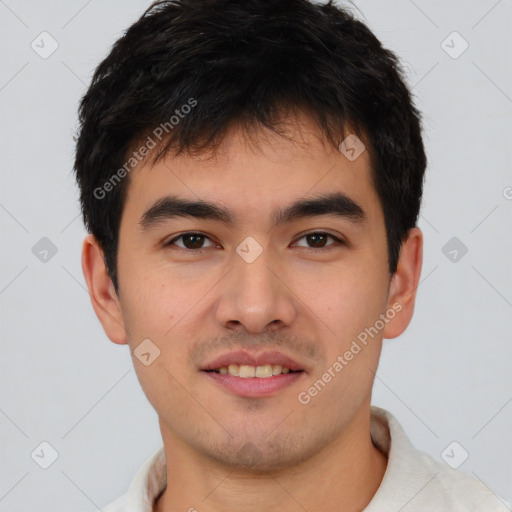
(345, 475)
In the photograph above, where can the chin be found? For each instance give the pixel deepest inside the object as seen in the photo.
(263, 455)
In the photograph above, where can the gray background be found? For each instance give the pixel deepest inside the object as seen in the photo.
(62, 381)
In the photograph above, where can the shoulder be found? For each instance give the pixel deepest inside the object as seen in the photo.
(459, 491)
(416, 482)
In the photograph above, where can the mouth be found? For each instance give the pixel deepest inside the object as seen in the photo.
(245, 371)
(251, 375)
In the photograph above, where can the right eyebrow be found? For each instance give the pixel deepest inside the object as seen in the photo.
(169, 207)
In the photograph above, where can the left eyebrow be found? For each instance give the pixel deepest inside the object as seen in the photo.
(336, 203)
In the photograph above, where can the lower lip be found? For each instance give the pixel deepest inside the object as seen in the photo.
(254, 386)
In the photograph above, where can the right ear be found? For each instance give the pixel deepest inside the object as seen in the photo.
(103, 296)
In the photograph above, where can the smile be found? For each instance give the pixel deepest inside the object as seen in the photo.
(246, 371)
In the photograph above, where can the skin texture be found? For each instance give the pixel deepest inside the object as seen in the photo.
(227, 452)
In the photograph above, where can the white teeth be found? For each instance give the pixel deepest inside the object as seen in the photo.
(264, 371)
(276, 369)
(233, 369)
(247, 371)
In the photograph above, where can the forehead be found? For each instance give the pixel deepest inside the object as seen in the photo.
(256, 175)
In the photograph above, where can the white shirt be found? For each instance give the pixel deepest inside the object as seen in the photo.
(413, 481)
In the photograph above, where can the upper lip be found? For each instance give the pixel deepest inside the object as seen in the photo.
(245, 358)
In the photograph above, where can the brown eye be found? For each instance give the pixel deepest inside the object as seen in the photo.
(318, 240)
(190, 241)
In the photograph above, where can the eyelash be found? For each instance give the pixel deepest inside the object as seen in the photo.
(337, 240)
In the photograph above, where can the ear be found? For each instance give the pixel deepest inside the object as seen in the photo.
(101, 290)
(404, 283)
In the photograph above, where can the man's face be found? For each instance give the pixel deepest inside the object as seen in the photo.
(254, 291)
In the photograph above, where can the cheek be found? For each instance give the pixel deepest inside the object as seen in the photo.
(149, 312)
(167, 312)
(353, 297)
(351, 312)
(153, 313)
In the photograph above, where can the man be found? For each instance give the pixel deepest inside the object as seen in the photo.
(251, 176)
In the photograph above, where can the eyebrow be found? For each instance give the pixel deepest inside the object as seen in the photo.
(170, 207)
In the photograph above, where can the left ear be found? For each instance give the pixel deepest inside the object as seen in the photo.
(404, 283)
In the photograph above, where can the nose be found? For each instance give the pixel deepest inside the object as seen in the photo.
(255, 296)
